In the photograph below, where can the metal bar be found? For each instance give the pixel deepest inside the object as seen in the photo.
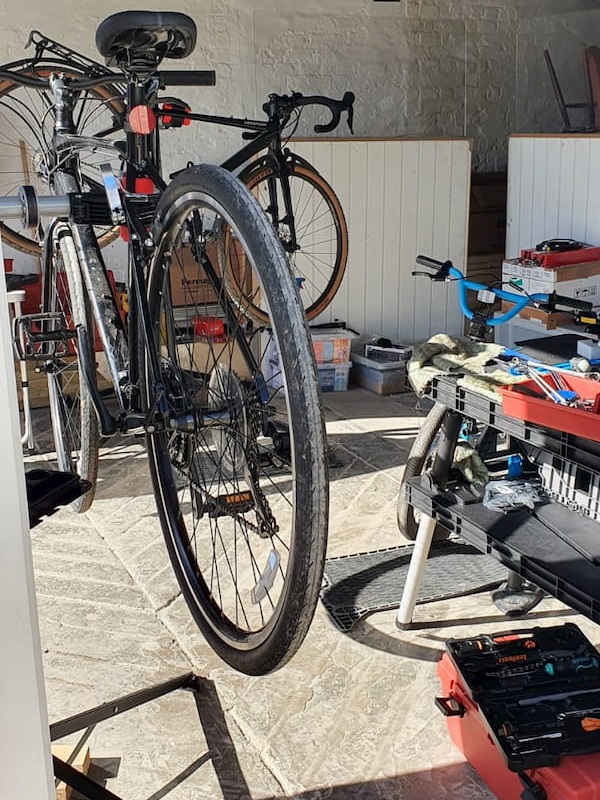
(13, 207)
(113, 707)
(80, 782)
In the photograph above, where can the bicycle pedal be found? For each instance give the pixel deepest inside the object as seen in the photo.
(42, 336)
(227, 505)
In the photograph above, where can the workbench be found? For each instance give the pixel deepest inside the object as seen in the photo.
(561, 555)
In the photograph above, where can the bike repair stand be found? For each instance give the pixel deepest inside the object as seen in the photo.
(514, 598)
(26, 763)
(84, 785)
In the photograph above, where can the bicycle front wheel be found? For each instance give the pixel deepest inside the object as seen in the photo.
(239, 467)
(74, 423)
(27, 117)
(319, 253)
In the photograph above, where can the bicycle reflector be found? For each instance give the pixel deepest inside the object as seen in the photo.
(141, 119)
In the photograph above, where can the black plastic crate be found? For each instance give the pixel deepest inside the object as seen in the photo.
(550, 558)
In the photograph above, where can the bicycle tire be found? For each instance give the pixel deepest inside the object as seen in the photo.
(27, 119)
(319, 262)
(243, 502)
(74, 423)
(416, 464)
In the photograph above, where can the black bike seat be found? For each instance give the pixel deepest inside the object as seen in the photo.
(131, 36)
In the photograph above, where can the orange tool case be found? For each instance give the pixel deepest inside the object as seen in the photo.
(524, 709)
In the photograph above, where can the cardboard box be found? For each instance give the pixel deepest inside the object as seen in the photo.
(190, 285)
(549, 319)
(581, 281)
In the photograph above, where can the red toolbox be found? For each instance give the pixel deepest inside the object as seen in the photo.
(551, 259)
(524, 709)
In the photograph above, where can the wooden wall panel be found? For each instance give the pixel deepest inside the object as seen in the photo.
(401, 197)
(553, 190)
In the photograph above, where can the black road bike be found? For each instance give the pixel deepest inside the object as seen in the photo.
(302, 206)
(229, 404)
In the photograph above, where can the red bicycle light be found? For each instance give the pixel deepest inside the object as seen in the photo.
(209, 327)
(141, 119)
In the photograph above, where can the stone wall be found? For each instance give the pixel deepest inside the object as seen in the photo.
(417, 67)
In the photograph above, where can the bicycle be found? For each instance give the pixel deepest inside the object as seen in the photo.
(425, 448)
(302, 206)
(237, 456)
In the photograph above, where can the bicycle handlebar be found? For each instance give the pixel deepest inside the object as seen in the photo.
(445, 271)
(336, 107)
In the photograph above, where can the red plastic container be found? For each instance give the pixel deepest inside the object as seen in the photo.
(545, 412)
(574, 778)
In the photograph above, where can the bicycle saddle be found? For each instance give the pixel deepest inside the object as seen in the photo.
(143, 38)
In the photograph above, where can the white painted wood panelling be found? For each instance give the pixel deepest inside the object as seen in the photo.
(553, 190)
(401, 197)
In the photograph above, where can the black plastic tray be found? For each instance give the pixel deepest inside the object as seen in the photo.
(48, 490)
(581, 451)
(522, 543)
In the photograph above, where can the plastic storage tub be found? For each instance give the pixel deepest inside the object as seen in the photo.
(332, 345)
(334, 377)
(381, 377)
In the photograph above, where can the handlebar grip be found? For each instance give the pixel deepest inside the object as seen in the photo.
(430, 263)
(180, 77)
(570, 302)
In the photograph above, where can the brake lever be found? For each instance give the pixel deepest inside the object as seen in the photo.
(348, 100)
(435, 277)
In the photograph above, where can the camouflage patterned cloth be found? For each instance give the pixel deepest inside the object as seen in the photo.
(448, 355)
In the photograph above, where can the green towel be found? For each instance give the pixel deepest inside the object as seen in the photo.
(448, 355)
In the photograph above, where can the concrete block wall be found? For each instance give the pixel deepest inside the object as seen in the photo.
(565, 28)
(419, 67)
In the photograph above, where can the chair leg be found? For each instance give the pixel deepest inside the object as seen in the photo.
(414, 576)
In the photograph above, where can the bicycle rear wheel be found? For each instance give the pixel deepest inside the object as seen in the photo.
(319, 257)
(26, 157)
(74, 423)
(239, 469)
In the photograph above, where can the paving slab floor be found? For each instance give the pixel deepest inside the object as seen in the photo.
(351, 716)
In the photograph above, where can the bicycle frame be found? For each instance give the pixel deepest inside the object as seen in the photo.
(121, 343)
(265, 135)
(520, 301)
